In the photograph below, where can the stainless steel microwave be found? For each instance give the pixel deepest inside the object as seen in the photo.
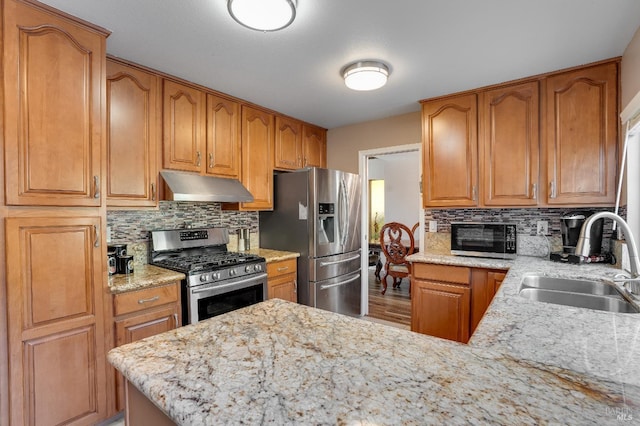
(495, 240)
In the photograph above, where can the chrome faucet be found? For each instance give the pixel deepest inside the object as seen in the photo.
(583, 248)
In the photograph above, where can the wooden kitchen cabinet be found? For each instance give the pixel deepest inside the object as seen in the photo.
(581, 135)
(440, 301)
(53, 107)
(484, 285)
(314, 146)
(449, 301)
(184, 126)
(288, 144)
(223, 137)
(133, 135)
(282, 280)
(144, 313)
(509, 144)
(56, 322)
(257, 157)
(450, 152)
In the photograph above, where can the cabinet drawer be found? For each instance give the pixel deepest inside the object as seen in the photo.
(282, 267)
(443, 273)
(142, 299)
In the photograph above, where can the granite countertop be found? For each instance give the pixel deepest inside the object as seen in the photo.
(283, 363)
(143, 276)
(604, 345)
(272, 255)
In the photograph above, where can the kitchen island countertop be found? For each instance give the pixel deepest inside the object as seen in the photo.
(283, 363)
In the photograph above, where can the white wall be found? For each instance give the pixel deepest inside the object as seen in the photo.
(402, 192)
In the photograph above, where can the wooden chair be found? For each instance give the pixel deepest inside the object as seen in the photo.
(396, 242)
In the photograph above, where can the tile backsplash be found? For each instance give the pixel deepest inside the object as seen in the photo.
(132, 227)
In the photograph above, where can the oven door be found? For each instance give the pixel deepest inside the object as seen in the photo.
(208, 300)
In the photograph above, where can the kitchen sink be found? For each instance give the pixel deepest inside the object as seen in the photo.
(598, 295)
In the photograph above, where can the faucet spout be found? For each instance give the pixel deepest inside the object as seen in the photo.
(583, 247)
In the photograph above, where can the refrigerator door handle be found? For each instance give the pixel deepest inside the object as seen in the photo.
(343, 212)
(328, 286)
(337, 262)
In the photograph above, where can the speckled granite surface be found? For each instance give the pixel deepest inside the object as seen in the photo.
(282, 363)
(143, 276)
(272, 255)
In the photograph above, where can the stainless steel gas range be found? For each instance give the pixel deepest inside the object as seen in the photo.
(218, 281)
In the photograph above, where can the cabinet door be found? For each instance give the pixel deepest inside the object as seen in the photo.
(57, 346)
(314, 146)
(581, 128)
(494, 279)
(257, 157)
(223, 137)
(54, 81)
(133, 136)
(288, 144)
(183, 126)
(137, 327)
(440, 310)
(509, 145)
(450, 151)
(284, 287)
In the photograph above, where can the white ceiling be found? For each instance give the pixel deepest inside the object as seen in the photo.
(434, 47)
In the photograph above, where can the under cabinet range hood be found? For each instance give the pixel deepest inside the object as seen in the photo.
(185, 186)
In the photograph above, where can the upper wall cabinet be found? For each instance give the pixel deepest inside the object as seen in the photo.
(257, 157)
(558, 151)
(288, 144)
(314, 146)
(133, 136)
(450, 156)
(54, 82)
(183, 126)
(223, 137)
(581, 131)
(509, 145)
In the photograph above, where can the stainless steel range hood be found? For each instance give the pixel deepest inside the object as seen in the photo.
(185, 186)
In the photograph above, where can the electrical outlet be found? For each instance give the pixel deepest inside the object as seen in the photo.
(543, 227)
(433, 226)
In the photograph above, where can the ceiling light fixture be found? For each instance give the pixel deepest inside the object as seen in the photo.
(365, 75)
(263, 15)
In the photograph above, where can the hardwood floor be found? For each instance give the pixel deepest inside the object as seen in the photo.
(394, 305)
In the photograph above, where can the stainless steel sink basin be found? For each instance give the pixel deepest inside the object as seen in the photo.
(596, 295)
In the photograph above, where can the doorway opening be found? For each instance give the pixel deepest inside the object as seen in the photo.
(391, 182)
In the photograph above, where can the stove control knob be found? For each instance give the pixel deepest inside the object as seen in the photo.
(258, 267)
(232, 272)
(215, 276)
(248, 268)
(203, 277)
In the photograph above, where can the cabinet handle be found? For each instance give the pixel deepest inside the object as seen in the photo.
(295, 286)
(153, 192)
(552, 189)
(175, 317)
(198, 158)
(283, 268)
(151, 299)
(96, 236)
(210, 160)
(474, 193)
(299, 161)
(534, 191)
(96, 186)
(306, 161)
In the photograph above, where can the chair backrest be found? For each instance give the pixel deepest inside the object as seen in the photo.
(396, 242)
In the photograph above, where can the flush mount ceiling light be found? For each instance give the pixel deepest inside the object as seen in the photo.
(263, 15)
(365, 75)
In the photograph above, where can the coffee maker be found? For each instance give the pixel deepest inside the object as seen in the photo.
(570, 227)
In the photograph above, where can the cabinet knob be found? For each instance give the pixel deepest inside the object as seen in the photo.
(96, 186)
(96, 236)
(153, 192)
(198, 158)
(211, 160)
(552, 189)
(534, 191)
(474, 193)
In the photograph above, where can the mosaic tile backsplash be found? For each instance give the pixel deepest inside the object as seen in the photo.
(132, 227)
(526, 219)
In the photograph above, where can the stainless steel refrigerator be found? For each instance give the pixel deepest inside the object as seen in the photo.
(317, 213)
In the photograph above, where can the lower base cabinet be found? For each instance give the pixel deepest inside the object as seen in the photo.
(144, 313)
(449, 301)
(282, 280)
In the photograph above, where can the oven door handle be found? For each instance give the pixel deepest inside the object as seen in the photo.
(337, 262)
(328, 286)
(235, 283)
